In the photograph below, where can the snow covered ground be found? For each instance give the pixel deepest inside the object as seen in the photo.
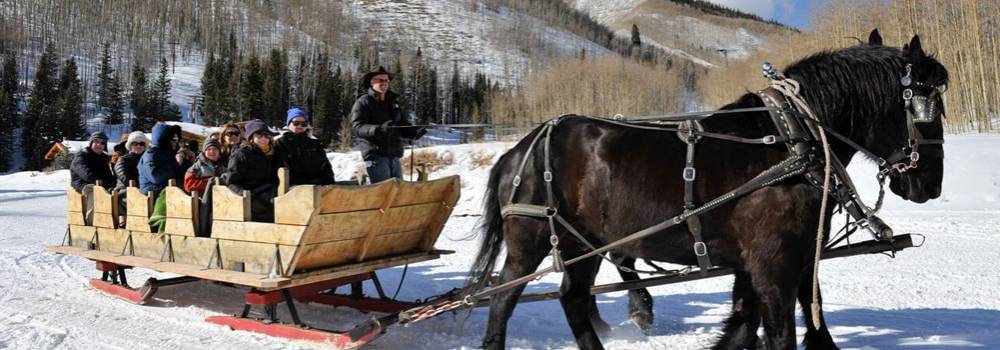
(940, 296)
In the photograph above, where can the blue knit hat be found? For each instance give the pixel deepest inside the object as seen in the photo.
(295, 112)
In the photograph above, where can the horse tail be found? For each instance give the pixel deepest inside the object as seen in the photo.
(491, 228)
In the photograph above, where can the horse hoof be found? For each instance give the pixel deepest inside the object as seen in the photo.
(643, 320)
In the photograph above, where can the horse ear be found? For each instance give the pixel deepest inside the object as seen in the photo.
(874, 38)
(913, 47)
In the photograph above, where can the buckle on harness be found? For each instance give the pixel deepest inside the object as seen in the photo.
(517, 180)
(547, 175)
(700, 249)
(689, 174)
(770, 139)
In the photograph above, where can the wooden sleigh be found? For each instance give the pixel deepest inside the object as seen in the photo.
(323, 237)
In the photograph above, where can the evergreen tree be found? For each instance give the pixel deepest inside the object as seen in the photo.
(115, 101)
(326, 113)
(104, 77)
(70, 103)
(398, 83)
(251, 95)
(232, 101)
(40, 124)
(139, 99)
(455, 96)
(210, 108)
(275, 98)
(636, 38)
(9, 120)
(161, 107)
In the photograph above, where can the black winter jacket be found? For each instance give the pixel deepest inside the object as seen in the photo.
(305, 159)
(368, 114)
(88, 167)
(250, 169)
(126, 169)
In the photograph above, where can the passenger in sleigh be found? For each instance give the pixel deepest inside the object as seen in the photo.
(199, 179)
(253, 167)
(158, 166)
(302, 153)
(231, 137)
(92, 164)
(127, 168)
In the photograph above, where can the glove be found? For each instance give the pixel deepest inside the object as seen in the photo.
(421, 132)
(384, 128)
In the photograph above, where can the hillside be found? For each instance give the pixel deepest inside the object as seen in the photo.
(708, 37)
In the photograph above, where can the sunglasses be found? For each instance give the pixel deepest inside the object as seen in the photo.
(298, 123)
(143, 144)
(233, 133)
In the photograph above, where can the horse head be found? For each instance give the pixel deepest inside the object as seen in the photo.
(915, 168)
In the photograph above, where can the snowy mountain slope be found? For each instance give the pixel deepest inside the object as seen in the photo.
(681, 28)
(939, 296)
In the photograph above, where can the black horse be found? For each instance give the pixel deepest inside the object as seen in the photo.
(611, 180)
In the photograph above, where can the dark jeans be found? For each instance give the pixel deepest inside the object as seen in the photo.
(383, 168)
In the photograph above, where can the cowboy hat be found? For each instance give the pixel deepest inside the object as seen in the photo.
(366, 80)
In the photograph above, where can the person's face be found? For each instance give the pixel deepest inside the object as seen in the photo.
(231, 137)
(98, 145)
(212, 153)
(380, 83)
(137, 147)
(261, 140)
(298, 125)
(175, 142)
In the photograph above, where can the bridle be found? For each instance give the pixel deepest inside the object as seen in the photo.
(920, 109)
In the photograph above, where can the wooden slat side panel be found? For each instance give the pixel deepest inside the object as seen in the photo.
(111, 240)
(148, 245)
(104, 208)
(138, 204)
(315, 256)
(230, 206)
(423, 192)
(74, 200)
(192, 250)
(179, 203)
(339, 226)
(258, 232)
(296, 207)
(353, 198)
(305, 277)
(395, 243)
(436, 225)
(256, 257)
(137, 223)
(182, 227)
(80, 236)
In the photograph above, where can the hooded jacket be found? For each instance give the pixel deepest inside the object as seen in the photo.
(305, 159)
(368, 114)
(88, 167)
(158, 165)
(198, 175)
(127, 169)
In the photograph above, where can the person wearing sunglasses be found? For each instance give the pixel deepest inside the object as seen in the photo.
(90, 165)
(127, 165)
(231, 137)
(380, 124)
(253, 167)
(302, 153)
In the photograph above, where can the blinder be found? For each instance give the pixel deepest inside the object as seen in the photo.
(919, 110)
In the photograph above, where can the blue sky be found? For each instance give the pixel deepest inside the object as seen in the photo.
(795, 13)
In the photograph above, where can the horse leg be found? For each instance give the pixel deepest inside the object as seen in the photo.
(640, 302)
(815, 338)
(740, 330)
(576, 303)
(775, 280)
(525, 252)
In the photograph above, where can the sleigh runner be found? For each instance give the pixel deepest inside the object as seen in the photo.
(322, 237)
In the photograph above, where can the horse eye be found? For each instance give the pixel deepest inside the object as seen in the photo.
(942, 88)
